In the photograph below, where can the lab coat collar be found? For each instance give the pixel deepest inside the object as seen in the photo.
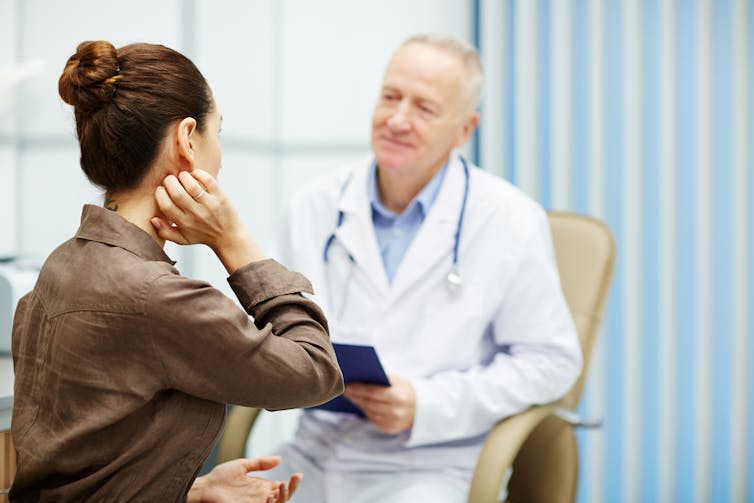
(356, 233)
(432, 243)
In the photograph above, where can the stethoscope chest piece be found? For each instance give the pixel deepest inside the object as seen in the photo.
(454, 279)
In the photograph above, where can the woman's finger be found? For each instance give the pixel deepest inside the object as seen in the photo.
(178, 194)
(209, 181)
(167, 205)
(283, 492)
(167, 232)
(261, 463)
(293, 483)
(191, 185)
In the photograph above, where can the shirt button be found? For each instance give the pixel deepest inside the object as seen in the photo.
(397, 232)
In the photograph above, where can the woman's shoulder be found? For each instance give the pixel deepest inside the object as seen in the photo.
(88, 275)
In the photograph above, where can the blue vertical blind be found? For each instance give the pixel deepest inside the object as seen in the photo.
(641, 113)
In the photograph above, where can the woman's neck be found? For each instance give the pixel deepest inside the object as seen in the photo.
(138, 207)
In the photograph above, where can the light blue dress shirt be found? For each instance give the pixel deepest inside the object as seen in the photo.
(395, 232)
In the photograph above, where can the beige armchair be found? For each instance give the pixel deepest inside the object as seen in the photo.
(539, 443)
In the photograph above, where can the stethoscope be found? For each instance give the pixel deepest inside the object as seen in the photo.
(454, 279)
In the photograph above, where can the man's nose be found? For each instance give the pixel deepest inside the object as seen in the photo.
(399, 120)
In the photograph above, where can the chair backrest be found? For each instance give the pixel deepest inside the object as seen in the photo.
(232, 444)
(585, 253)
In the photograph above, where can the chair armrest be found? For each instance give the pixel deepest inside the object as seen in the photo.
(577, 420)
(500, 449)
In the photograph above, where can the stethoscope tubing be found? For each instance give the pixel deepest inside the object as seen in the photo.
(454, 275)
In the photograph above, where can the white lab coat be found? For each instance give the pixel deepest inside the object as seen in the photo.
(501, 343)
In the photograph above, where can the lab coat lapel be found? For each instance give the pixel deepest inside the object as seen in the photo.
(432, 246)
(356, 233)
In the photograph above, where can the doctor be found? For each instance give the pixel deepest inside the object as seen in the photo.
(448, 271)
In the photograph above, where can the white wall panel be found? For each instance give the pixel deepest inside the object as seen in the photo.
(8, 32)
(235, 50)
(703, 370)
(668, 253)
(561, 46)
(742, 159)
(249, 180)
(334, 54)
(8, 46)
(50, 31)
(595, 484)
(492, 124)
(53, 190)
(632, 207)
(300, 168)
(7, 201)
(527, 107)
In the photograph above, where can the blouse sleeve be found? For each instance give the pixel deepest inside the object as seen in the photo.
(209, 347)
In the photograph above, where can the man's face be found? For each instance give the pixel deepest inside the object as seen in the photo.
(422, 112)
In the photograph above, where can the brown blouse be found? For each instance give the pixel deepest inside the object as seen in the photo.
(123, 367)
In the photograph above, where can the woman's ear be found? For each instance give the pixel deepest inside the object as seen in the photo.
(185, 144)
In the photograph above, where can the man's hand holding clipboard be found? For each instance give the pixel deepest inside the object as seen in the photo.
(359, 364)
(388, 403)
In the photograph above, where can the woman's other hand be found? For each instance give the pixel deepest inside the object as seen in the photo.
(230, 482)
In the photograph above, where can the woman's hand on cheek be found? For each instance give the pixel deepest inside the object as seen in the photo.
(195, 210)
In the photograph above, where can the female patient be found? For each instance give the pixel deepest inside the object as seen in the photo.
(123, 366)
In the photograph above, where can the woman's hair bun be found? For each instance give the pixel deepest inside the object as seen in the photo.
(89, 78)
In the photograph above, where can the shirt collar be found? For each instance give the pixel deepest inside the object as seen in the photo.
(424, 199)
(105, 226)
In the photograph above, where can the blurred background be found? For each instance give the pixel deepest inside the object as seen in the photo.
(635, 111)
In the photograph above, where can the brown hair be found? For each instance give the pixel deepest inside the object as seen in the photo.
(124, 100)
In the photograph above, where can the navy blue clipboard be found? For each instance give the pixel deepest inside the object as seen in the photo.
(358, 364)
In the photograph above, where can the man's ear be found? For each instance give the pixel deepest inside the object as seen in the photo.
(468, 126)
(184, 143)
